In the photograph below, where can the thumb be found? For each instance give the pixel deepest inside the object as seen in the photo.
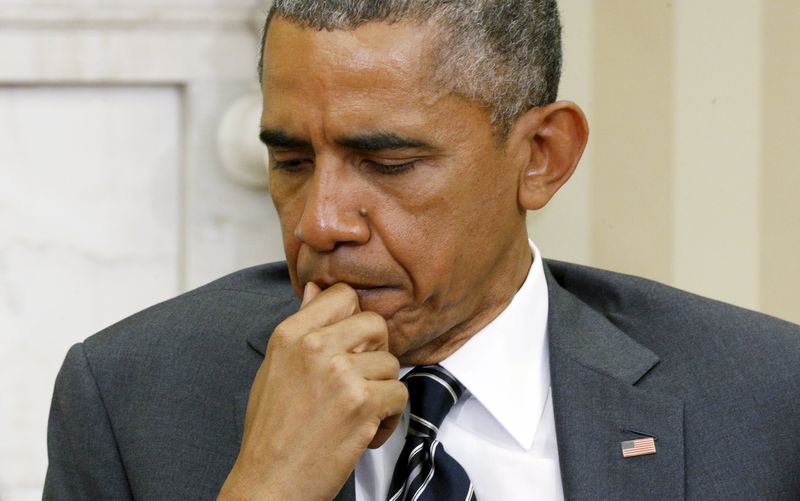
(309, 292)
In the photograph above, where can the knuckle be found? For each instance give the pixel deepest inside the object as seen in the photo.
(312, 344)
(281, 338)
(374, 324)
(340, 366)
(394, 364)
(402, 391)
(374, 319)
(399, 395)
(355, 397)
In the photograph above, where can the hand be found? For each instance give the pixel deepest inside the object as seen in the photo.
(326, 390)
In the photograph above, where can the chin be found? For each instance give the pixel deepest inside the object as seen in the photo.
(418, 357)
(410, 347)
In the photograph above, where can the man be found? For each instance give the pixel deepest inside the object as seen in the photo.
(407, 140)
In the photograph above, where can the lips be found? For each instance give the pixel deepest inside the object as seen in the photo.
(385, 301)
(371, 291)
(362, 279)
(382, 299)
(379, 287)
(355, 284)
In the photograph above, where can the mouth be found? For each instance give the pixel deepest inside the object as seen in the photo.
(370, 291)
(382, 299)
(385, 301)
(367, 292)
(354, 284)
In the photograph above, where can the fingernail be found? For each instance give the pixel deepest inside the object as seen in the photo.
(310, 291)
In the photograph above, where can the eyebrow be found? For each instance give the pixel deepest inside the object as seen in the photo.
(381, 141)
(371, 141)
(277, 138)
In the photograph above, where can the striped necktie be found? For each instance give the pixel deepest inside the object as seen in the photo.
(424, 471)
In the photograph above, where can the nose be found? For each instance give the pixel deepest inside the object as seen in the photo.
(331, 215)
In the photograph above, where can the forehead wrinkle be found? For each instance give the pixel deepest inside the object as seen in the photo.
(350, 82)
(348, 101)
(371, 48)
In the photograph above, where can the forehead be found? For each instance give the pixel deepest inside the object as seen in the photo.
(375, 69)
(370, 49)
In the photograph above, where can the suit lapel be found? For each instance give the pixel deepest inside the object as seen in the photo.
(594, 371)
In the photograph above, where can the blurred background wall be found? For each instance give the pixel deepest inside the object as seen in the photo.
(113, 195)
(690, 177)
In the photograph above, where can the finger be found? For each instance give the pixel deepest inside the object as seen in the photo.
(309, 292)
(374, 365)
(384, 431)
(390, 397)
(335, 303)
(362, 332)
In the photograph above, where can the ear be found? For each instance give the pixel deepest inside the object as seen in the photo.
(552, 139)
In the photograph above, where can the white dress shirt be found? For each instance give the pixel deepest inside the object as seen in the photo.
(502, 430)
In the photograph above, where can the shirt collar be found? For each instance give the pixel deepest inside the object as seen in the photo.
(505, 365)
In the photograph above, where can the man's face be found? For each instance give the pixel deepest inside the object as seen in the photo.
(385, 182)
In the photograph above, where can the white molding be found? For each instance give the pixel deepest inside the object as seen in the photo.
(243, 156)
(146, 56)
(109, 17)
(130, 42)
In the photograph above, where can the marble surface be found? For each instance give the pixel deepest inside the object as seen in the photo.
(112, 193)
(90, 208)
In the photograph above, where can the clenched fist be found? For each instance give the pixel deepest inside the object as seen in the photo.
(326, 391)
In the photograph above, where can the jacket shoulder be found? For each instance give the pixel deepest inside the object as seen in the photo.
(254, 293)
(208, 326)
(628, 300)
(697, 339)
(165, 382)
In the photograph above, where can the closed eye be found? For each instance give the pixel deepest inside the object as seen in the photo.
(297, 165)
(289, 165)
(390, 169)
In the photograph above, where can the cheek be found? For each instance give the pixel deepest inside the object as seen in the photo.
(427, 246)
(291, 249)
(288, 202)
(288, 225)
(443, 244)
(288, 220)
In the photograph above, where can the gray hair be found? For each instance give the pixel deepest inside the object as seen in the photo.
(505, 54)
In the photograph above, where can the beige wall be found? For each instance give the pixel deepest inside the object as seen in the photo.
(691, 177)
(112, 192)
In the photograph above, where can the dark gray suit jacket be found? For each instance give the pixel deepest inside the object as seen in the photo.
(153, 407)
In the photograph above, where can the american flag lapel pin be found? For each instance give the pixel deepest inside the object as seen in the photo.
(638, 447)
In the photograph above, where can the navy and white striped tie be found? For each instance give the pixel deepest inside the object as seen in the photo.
(424, 471)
